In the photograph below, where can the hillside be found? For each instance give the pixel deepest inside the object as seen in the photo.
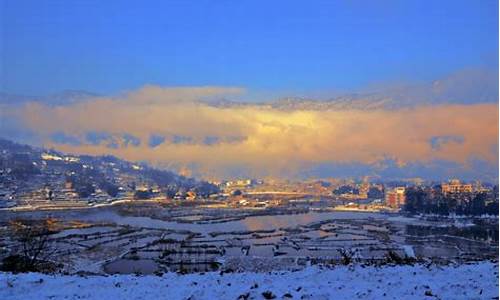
(29, 173)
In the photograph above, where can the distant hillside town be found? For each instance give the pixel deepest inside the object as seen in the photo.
(32, 178)
(39, 177)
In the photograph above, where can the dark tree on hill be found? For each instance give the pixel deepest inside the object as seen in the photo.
(20, 165)
(171, 190)
(161, 177)
(346, 189)
(85, 189)
(205, 189)
(415, 200)
(110, 188)
(477, 205)
(82, 185)
(33, 247)
(492, 208)
(375, 193)
(441, 208)
(142, 195)
(435, 202)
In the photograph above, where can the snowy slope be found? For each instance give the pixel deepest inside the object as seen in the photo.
(474, 281)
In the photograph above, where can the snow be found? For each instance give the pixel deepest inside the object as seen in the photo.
(409, 251)
(466, 281)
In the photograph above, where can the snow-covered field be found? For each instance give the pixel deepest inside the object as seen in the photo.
(469, 281)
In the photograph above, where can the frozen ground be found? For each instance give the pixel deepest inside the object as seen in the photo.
(469, 281)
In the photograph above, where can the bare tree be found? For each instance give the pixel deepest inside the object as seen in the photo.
(33, 246)
(346, 256)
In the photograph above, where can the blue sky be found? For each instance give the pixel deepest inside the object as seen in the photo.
(158, 58)
(275, 46)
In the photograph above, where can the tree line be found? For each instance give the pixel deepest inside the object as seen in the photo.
(433, 201)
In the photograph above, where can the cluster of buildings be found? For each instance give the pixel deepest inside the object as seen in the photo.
(395, 198)
(394, 195)
(382, 195)
(57, 178)
(53, 183)
(36, 178)
(454, 186)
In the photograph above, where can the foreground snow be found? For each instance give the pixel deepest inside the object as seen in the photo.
(473, 281)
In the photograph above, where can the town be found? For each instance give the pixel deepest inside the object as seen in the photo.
(248, 150)
(218, 224)
(39, 179)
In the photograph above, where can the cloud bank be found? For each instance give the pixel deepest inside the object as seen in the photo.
(176, 128)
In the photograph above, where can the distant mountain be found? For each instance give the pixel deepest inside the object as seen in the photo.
(69, 96)
(464, 87)
(346, 102)
(61, 98)
(354, 101)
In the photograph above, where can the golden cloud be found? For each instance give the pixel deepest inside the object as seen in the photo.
(266, 140)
